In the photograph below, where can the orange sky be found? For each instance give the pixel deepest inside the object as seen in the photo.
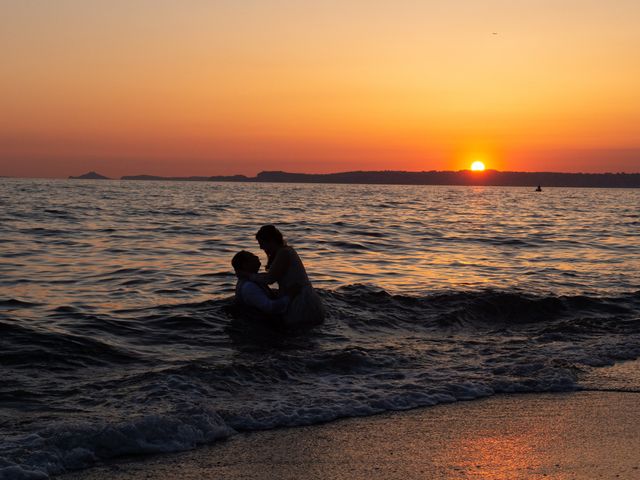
(206, 88)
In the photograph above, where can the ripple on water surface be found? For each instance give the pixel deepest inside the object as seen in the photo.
(117, 335)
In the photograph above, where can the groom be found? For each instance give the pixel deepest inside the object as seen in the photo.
(251, 294)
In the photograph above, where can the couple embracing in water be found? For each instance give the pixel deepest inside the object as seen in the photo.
(296, 303)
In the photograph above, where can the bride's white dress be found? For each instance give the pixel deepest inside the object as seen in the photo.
(306, 308)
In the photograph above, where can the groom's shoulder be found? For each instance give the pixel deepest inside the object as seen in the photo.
(245, 284)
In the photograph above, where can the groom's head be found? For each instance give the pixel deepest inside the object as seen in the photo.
(246, 262)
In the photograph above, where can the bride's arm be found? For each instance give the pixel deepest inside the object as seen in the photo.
(278, 268)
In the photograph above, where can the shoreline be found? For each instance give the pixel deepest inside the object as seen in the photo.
(577, 435)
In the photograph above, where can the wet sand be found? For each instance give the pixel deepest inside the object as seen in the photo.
(584, 435)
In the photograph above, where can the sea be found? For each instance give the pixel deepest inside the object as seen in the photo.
(118, 334)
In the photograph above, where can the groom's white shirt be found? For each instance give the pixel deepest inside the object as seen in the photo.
(253, 295)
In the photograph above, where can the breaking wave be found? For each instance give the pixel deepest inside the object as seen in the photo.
(172, 377)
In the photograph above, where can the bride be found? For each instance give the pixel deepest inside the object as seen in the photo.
(285, 267)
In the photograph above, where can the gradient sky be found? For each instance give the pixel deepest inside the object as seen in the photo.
(199, 87)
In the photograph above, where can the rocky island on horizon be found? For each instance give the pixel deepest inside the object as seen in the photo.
(89, 176)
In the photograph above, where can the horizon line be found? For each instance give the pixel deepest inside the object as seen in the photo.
(478, 173)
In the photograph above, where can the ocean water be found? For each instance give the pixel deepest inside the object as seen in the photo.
(116, 335)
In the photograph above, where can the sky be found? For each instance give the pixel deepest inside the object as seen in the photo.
(198, 87)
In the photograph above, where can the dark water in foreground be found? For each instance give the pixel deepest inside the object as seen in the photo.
(114, 336)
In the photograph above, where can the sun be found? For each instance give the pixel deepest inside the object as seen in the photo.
(477, 166)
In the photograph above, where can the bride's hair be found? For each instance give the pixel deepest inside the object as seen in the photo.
(270, 233)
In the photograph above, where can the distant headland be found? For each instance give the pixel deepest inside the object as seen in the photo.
(390, 177)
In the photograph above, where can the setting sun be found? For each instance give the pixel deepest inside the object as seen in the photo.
(477, 166)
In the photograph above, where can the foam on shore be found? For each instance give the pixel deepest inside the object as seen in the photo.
(581, 435)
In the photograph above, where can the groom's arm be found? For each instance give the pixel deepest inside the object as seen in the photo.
(256, 297)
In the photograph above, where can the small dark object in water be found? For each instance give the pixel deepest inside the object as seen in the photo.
(539, 189)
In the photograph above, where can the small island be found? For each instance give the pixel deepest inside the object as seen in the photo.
(90, 176)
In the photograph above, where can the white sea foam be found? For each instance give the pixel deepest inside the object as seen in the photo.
(74, 446)
(68, 446)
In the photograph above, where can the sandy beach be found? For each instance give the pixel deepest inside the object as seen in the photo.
(582, 435)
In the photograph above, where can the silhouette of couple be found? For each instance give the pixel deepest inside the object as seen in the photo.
(296, 303)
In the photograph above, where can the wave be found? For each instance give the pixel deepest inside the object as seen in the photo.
(171, 377)
(485, 308)
(64, 447)
(359, 308)
(14, 303)
(29, 346)
(79, 446)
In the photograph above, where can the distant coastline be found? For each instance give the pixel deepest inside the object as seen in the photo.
(463, 177)
(394, 177)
